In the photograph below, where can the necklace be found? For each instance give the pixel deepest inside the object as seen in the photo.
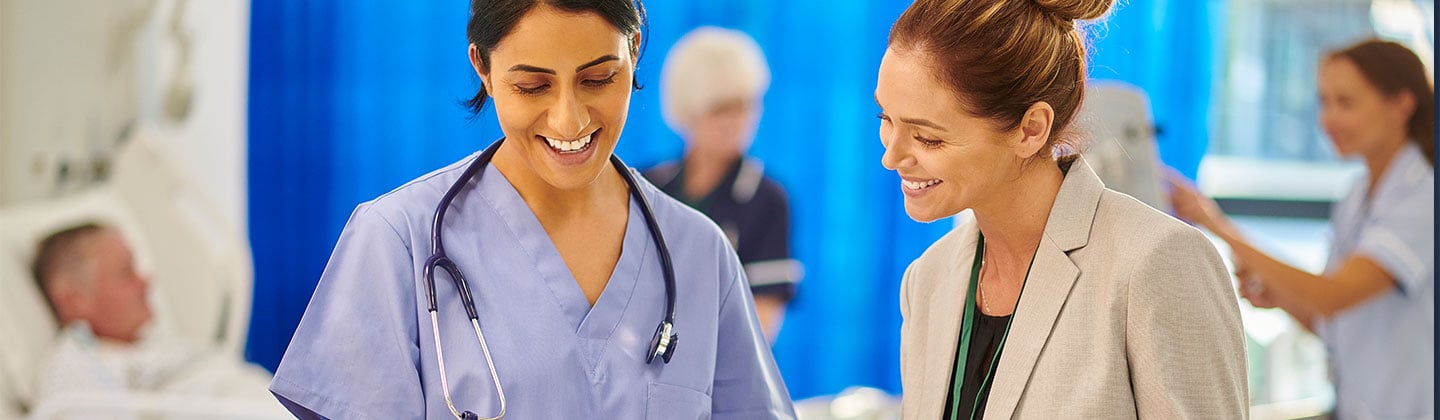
(984, 303)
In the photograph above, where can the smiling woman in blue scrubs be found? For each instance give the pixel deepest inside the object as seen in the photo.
(565, 275)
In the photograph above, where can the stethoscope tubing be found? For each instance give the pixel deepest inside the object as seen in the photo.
(662, 345)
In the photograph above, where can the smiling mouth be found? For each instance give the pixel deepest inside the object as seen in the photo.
(566, 147)
(919, 185)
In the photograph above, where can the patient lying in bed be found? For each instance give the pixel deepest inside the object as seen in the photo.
(88, 276)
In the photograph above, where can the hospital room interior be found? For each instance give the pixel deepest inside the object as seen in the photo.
(227, 143)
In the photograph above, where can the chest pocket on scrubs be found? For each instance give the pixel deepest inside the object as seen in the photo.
(671, 402)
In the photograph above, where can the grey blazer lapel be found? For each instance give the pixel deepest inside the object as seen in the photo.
(946, 301)
(1051, 278)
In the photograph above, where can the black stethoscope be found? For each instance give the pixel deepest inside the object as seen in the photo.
(662, 345)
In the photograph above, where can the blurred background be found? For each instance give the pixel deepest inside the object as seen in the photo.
(280, 116)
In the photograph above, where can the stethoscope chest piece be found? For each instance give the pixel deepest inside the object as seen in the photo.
(663, 344)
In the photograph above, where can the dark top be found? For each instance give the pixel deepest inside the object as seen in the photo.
(984, 348)
(754, 212)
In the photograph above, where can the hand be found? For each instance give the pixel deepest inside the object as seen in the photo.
(1190, 205)
(1258, 297)
(1252, 288)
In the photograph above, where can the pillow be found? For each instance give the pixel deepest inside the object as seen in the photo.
(22, 340)
(202, 257)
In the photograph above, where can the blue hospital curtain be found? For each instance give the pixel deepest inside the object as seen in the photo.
(351, 99)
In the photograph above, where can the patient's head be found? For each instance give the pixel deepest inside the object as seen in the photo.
(87, 273)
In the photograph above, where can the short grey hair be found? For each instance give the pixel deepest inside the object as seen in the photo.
(706, 68)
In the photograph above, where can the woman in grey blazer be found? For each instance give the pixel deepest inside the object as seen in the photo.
(1055, 298)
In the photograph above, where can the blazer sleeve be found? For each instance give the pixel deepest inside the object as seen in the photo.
(1184, 339)
(906, 332)
(905, 306)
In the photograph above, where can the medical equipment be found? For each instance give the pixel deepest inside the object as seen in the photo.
(661, 345)
(1124, 154)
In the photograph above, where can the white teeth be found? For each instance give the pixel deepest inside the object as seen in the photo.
(568, 146)
(914, 185)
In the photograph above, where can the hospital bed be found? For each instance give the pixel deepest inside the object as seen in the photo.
(200, 272)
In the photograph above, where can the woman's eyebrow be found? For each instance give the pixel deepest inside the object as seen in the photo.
(597, 61)
(916, 121)
(531, 69)
(582, 67)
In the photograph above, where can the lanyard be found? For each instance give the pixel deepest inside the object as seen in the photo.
(968, 325)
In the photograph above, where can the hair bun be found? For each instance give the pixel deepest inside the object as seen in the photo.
(1076, 9)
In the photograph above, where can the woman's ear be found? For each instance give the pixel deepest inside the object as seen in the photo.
(1035, 129)
(68, 300)
(480, 69)
(1404, 101)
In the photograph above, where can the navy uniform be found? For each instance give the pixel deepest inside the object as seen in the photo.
(754, 212)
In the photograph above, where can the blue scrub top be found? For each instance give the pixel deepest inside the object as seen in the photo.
(365, 349)
(1382, 350)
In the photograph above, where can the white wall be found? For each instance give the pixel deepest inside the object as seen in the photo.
(77, 76)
